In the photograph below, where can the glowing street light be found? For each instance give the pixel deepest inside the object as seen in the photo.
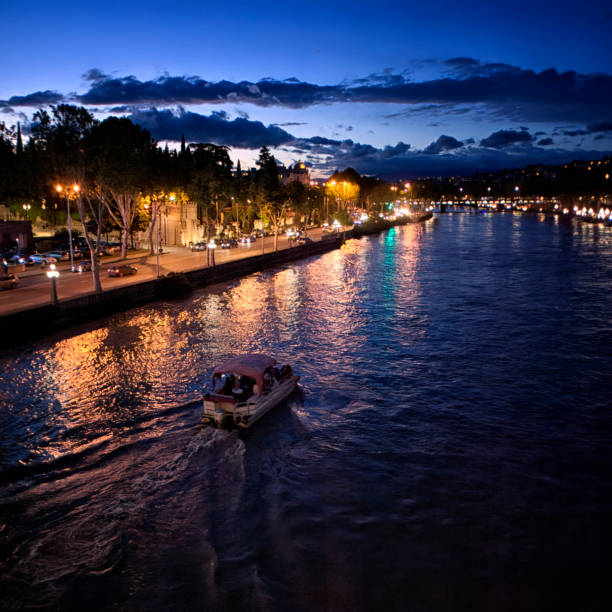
(75, 189)
(52, 275)
(212, 245)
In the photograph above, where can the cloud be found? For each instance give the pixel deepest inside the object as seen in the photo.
(509, 91)
(444, 143)
(545, 142)
(94, 75)
(446, 156)
(195, 90)
(575, 132)
(169, 124)
(504, 138)
(467, 86)
(400, 162)
(600, 127)
(38, 98)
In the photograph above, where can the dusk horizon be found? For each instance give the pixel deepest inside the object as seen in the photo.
(398, 112)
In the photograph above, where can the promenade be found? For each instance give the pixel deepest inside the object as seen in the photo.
(34, 287)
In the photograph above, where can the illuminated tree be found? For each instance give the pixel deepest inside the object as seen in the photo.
(343, 193)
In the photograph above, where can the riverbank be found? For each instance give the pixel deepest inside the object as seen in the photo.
(27, 324)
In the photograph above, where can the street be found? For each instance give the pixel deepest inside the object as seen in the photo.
(34, 287)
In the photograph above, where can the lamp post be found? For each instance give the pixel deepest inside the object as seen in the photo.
(212, 245)
(26, 209)
(75, 188)
(52, 275)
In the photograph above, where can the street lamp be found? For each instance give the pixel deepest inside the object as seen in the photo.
(75, 189)
(26, 208)
(52, 275)
(212, 245)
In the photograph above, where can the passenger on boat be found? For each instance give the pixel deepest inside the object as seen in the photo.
(267, 381)
(285, 372)
(246, 382)
(238, 390)
(227, 388)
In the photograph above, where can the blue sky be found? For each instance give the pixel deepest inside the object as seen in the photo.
(390, 88)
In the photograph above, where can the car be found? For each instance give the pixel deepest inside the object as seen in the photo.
(43, 260)
(58, 255)
(8, 281)
(111, 247)
(247, 240)
(303, 240)
(229, 243)
(199, 246)
(122, 270)
(16, 259)
(82, 266)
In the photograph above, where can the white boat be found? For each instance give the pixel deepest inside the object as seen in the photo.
(245, 388)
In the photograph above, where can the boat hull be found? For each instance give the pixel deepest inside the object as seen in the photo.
(244, 414)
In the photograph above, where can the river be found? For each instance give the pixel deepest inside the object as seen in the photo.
(450, 447)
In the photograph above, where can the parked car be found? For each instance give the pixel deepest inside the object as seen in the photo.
(43, 260)
(111, 247)
(16, 259)
(9, 281)
(122, 270)
(58, 255)
(229, 243)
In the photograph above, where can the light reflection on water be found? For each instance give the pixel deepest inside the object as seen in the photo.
(451, 439)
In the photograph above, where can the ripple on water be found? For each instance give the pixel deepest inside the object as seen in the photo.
(453, 429)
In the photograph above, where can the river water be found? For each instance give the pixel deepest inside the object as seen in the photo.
(450, 448)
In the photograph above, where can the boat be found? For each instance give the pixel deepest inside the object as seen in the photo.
(245, 388)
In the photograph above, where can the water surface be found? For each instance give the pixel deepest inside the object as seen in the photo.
(451, 447)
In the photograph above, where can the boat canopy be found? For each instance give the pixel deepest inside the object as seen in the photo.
(252, 364)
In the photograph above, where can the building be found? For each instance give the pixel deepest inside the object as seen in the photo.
(180, 225)
(298, 172)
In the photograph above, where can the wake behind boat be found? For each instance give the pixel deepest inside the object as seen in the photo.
(245, 388)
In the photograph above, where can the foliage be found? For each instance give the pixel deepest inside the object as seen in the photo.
(173, 285)
(343, 218)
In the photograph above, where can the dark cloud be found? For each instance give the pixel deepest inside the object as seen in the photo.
(600, 127)
(504, 91)
(38, 98)
(398, 162)
(469, 67)
(505, 138)
(575, 132)
(444, 143)
(194, 90)
(545, 142)
(217, 127)
(509, 91)
(94, 75)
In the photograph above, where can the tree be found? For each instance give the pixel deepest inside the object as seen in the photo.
(268, 193)
(342, 192)
(125, 152)
(209, 180)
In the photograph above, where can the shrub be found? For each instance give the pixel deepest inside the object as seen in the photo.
(173, 285)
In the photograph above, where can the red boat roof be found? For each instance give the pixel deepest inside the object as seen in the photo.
(252, 364)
